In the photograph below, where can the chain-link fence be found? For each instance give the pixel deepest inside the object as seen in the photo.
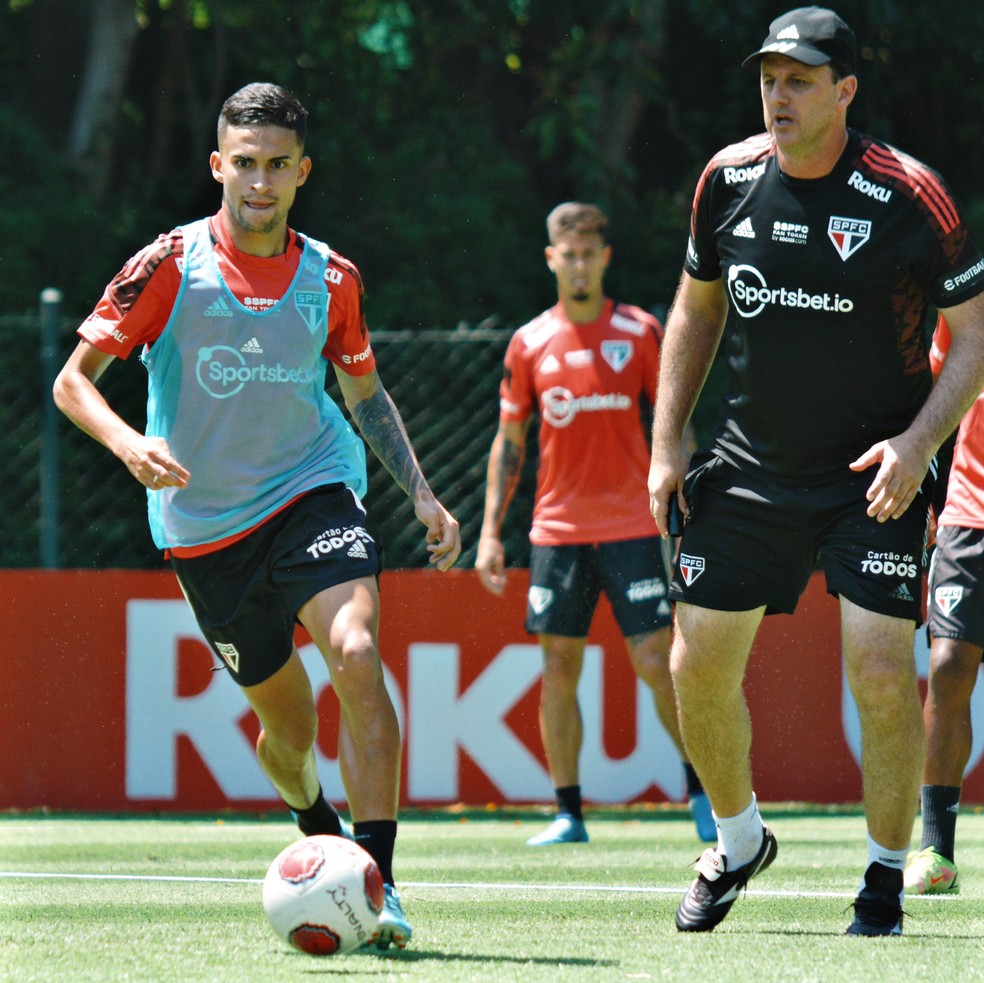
(444, 383)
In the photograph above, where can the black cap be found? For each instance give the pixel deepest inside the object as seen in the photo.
(812, 35)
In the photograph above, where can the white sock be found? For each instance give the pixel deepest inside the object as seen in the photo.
(882, 855)
(740, 837)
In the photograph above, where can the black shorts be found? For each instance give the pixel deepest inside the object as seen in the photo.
(751, 542)
(246, 597)
(566, 581)
(956, 585)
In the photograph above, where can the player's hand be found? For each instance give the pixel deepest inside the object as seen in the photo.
(150, 461)
(443, 534)
(666, 476)
(901, 470)
(491, 564)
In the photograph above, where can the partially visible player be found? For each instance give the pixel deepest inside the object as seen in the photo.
(253, 477)
(956, 628)
(588, 366)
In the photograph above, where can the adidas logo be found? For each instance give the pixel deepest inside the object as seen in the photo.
(901, 593)
(218, 308)
(357, 551)
(744, 229)
(788, 34)
(252, 347)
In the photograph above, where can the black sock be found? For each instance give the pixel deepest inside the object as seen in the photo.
(316, 819)
(694, 786)
(377, 838)
(940, 804)
(569, 800)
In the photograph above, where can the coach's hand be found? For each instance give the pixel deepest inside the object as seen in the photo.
(902, 468)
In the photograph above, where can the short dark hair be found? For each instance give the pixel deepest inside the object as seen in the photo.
(263, 104)
(576, 218)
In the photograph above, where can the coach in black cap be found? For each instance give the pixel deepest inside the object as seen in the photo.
(818, 252)
(812, 35)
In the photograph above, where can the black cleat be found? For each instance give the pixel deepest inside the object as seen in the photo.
(878, 907)
(716, 889)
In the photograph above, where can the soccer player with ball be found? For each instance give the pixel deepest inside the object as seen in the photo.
(254, 478)
(819, 249)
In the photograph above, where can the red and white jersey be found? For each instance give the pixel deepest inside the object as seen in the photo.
(594, 386)
(965, 489)
(135, 307)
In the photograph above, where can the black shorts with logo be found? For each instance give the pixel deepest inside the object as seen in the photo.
(956, 585)
(566, 582)
(246, 596)
(751, 542)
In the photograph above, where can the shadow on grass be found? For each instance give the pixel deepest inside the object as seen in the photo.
(363, 960)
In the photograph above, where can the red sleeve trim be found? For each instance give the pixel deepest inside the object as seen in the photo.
(919, 179)
(130, 282)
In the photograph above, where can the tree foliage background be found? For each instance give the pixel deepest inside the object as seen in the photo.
(442, 131)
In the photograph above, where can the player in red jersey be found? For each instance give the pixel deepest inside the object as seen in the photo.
(956, 628)
(588, 366)
(819, 249)
(253, 476)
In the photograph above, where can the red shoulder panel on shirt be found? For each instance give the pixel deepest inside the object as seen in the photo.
(916, 180)
(128, 284)
(748, 153)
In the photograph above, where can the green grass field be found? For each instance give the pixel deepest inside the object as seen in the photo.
(151, 899)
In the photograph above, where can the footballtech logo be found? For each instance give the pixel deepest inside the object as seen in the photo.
(750, 295)
(222, 372)
(560, 405)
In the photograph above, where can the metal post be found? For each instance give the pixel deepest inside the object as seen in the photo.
(51, 299)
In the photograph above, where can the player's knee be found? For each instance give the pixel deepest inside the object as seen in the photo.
(358, 670)
(291, 735)
(881, 684)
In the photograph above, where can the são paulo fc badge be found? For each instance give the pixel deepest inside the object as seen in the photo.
(948, 597)
(691, 567)
(540, 599)
(848, 234)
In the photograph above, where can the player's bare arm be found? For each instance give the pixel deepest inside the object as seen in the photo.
(903, 460)
(693, 332)
(379, 422)
(505, 467)
(148, 459)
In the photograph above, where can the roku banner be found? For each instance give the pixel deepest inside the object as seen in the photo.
(109, 701)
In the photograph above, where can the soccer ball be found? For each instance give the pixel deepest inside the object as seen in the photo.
(323, 895)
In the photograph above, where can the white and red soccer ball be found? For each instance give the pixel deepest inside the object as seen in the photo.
(323, 895)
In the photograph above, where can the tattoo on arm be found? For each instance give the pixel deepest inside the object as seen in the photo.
(380, 423)
(504, 480)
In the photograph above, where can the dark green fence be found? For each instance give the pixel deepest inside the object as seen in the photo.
(444, 382)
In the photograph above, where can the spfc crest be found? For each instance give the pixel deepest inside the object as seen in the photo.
(948, 597)
(691, 567)
(848, 234)
(313, 308)
(616, 353)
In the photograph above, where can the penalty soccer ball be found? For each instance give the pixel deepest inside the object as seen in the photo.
(323, 895)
